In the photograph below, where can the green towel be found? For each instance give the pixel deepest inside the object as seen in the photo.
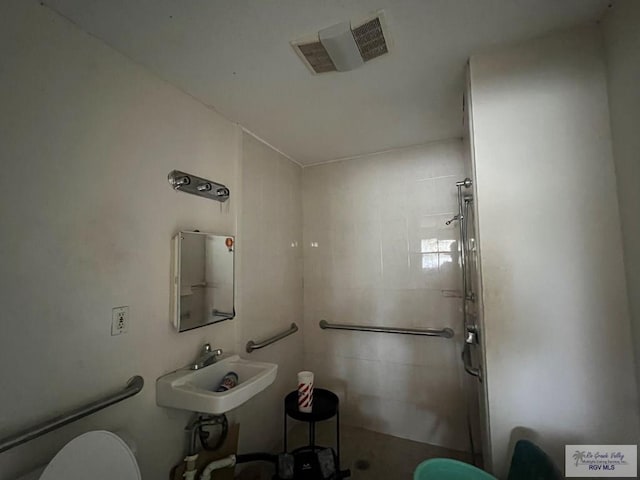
(529, 462)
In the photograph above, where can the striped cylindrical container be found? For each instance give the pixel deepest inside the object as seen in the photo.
(305, 392)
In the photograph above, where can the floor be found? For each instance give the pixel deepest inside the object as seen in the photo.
(369, 455)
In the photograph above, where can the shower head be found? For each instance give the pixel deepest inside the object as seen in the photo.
(448, 222)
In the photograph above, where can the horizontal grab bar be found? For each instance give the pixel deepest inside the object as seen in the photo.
(427, 332)
(251, 345)
(134, 385)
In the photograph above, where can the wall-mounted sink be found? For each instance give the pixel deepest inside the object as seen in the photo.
(194, 389)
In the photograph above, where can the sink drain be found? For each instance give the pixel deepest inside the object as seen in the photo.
(362, 464)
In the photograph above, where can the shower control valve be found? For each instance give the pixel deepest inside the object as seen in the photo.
(471, 335)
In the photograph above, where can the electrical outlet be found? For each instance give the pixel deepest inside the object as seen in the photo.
(119, 320)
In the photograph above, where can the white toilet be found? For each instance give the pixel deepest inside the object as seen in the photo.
(98, 455)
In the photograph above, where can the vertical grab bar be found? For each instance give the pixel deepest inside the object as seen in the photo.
(471, 330)
(463, 210)
(463, 249)
(469, 293)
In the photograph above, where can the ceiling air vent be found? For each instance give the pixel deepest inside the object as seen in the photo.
(370, 39)
(342, 47)
(317, 57)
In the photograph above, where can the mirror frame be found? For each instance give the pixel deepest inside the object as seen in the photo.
(176, 267)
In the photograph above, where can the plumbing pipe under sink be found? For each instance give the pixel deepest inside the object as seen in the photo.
(225, 462)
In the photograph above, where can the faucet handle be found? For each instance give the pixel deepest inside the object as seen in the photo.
(206, 348)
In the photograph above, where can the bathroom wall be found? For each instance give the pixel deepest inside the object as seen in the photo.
(557, 335)
(622, 46)
(270, 283)
(479, 410)
(87, 139)
(377, 252)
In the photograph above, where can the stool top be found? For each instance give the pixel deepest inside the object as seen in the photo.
(325, 406)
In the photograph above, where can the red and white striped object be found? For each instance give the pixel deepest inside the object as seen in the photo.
(305, 391)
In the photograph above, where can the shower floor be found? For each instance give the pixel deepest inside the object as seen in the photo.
(369, 455)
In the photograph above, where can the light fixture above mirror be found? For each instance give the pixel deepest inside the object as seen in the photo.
(198, 186)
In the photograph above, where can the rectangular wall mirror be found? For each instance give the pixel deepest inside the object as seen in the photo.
(202, 279)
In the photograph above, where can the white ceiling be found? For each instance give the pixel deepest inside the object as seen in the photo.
(235, 56)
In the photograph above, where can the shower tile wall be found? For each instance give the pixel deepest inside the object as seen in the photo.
(270, 283)
(377, 251)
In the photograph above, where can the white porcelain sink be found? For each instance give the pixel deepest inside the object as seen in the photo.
(194, 389)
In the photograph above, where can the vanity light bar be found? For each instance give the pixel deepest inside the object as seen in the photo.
(198, 186)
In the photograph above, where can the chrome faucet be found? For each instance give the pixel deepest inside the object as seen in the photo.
(207, 357)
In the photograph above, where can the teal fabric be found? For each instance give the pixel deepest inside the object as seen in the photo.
(529, 462)
(447, 469)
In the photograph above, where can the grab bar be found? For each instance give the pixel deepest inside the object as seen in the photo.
(427, 332)
(251, 345)
(134, 385)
